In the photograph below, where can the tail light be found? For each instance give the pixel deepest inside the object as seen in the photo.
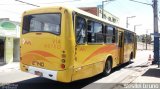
(62, 66)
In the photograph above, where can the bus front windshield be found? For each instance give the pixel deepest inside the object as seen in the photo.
(42, 23)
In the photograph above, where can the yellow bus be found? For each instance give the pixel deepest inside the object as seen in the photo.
(67, 44)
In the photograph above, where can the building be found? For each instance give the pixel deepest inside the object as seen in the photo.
(9, 41)
(98, 12)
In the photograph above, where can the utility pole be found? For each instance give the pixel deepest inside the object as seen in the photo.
(103, 6)
(146, 38)
(156, 35)
(136, 26)
(127, 20)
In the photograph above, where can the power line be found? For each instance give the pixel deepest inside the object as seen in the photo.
(44, 3)
(147, 1)
(141, 2)
(37, 3)
(27, 3)
(59, 2)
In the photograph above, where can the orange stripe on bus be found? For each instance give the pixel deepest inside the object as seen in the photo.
(43, 53)
(31, 57)
(101, 50)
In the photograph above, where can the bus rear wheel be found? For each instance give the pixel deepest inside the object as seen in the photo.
(131, 58)
(108, 68)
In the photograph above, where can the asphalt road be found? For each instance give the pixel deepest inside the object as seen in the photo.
(122, 74)
(27, 81)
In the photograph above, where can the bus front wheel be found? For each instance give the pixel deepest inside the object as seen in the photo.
(107, 68)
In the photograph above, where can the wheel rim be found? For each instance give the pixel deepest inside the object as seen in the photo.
(108, 67)
(130, 58)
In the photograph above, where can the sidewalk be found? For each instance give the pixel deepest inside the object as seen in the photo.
(152, 75)
(145, 78)
(10, 67)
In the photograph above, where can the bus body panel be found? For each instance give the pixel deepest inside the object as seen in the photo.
(40, 53)
(135, 45)
(91, 58)
(48, 53)
(88, 71)
(128, 49)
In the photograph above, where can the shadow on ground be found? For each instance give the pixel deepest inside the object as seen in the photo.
(152, 73)
(137, 68)
(2, 63)
(43, 83)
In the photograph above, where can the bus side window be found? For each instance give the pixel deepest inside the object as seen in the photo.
(131, 37)
(94, 32)
(110, 34)
(80, 30)
(114, 36)
(98, 32)
(126, 37)
(90, 32)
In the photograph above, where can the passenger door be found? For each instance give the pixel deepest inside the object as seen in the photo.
(121, 46)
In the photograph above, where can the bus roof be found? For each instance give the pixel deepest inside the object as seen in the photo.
(80, 12)
(94, 16)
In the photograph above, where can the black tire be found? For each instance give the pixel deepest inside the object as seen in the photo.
(108, 68)
(131, 58)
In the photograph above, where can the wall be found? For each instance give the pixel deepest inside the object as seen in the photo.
(92, 10)
(16, 50)
(10, 30)
(8, 50)
(98, 12)
(108, 16)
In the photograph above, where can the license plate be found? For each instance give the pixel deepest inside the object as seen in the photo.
(38, 73)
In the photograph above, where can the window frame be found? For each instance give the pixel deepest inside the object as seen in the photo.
(94, 21)
(125, 37)
(129, 36)
(60, 14)
(101, 31)
(77, 15)
(115, 32)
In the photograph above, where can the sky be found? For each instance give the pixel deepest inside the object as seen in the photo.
(120, 8)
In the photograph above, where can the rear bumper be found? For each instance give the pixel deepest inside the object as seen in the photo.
(45, 73)
(62, 76)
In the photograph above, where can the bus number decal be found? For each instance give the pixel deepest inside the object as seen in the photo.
(27, 42)
(55, 44)
(37, 63)
(52, 46)
(82, 49)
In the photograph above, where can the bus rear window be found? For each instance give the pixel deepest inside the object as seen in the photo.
(42, 23)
